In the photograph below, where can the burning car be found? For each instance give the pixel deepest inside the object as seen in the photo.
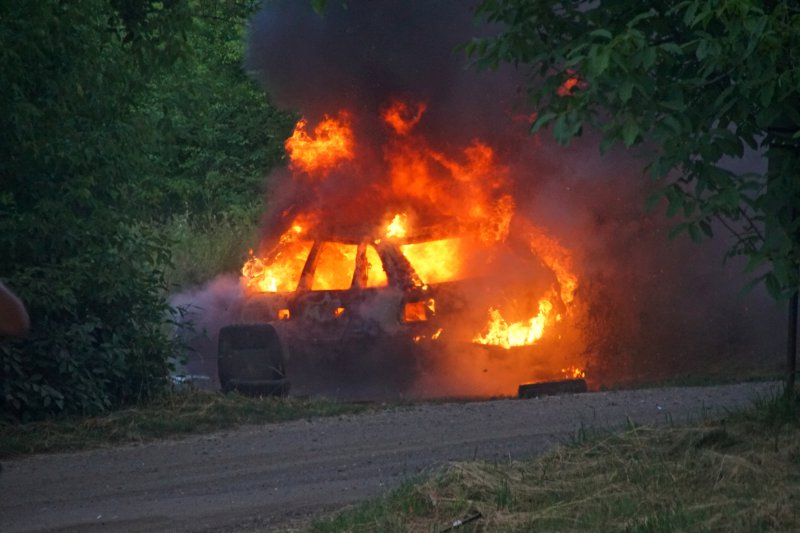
(370, 310)
(340, 300)
(424, 272)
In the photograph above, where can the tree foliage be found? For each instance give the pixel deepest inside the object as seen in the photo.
(694, 84)
(114, 113)
(217, 133)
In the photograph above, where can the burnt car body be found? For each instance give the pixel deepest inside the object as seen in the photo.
(369, 314)
(376, 321)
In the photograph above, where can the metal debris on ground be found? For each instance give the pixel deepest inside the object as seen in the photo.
(458, 523)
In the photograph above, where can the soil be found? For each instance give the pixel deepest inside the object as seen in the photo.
(270, 477)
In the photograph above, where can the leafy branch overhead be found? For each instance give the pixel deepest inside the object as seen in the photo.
(695, 84)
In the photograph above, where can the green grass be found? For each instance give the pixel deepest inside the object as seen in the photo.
(740, 473)
(174, 415)
(201, 251)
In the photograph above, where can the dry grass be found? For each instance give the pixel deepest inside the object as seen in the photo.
(739, 474)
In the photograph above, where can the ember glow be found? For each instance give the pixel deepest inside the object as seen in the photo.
(573, 372)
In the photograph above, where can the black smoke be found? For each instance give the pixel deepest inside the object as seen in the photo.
(358, 54)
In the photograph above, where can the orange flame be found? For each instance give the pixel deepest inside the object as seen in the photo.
(558, 260)
(397, 227)
(401, 117)
(573, 372)
(331, 143)
(376, 277)
(282, 272)
(336, 263)
(501, 333)
(435, 261)
(565, 89)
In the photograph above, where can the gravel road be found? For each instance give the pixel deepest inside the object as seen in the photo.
(267, 476)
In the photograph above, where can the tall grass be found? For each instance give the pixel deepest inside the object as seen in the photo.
(205, 248)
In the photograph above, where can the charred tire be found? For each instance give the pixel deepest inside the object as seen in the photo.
(251, 360)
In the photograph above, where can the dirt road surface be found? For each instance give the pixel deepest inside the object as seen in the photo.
(267, 476)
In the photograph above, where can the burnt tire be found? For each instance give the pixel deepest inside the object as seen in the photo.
(251, 360)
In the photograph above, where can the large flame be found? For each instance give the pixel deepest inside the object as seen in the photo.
(331, 144)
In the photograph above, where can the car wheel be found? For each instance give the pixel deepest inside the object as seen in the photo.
(251, 360)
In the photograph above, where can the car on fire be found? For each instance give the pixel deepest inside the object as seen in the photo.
(333, 312)
(353, 303)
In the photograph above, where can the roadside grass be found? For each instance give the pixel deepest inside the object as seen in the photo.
(200, 251)
(175, 415)
(738, 473)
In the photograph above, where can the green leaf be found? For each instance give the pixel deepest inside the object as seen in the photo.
(625, 90)
(701, 52)
(601, 32)
(773, 286)
(652, 201)
(319, 6)
(672, 48)
(672, 123)
(630, 131)
(689, 16)
(560, 130)
(543, 120)
(606, 144)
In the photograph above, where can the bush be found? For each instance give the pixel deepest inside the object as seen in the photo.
(99, 335)
(71, 145)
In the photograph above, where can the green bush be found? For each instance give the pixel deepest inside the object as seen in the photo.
(72, 144)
